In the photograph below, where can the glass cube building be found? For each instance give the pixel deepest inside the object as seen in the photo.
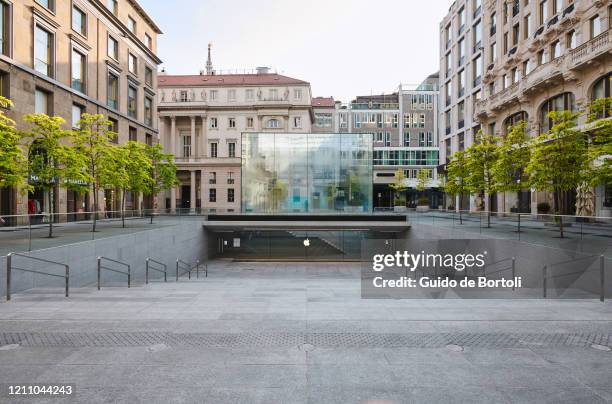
(327, 173)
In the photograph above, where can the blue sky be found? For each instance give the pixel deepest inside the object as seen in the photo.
(342, 47)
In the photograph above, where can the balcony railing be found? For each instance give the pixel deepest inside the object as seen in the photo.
(588, 50)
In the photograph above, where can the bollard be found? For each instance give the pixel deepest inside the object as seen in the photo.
(8, 276)
(147, 272)
(99, 259)
(544, 275)
(129, 276)
(198, 269)
(602, 286)
(67, 279)
(177, 269)
(206, 268)
(513, 271)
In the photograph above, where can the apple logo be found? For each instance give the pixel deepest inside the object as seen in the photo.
(307, 243)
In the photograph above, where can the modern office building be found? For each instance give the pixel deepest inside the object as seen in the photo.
(65, 58)
(404, 126)
(324, 116)
(543, 56)
(462, 57)
(202, 118)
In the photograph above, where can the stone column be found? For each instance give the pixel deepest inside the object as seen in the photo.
(173, 199)
(194, 141)
(204, 152)
(192, 196)
(173, 135)
(202, 188)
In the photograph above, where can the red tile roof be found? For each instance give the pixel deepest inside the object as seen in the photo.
(325, 102)
(227, 80)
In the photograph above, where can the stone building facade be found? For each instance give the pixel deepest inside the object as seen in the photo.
(66, 58)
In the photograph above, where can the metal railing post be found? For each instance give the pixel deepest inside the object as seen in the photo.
(67, 279)
(147, 272)
(513, 272)
(198, 269)
(602, 286)
(544, 279)
(189, 272)
(165, 276)
(129, 276)
(177, 265)
(99, 265)
(8, 276)
(206, 268)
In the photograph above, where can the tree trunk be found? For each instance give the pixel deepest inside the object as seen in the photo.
(123, 209)
(95, 208)
(50, 206)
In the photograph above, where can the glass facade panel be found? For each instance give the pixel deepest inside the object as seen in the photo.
(306, 173)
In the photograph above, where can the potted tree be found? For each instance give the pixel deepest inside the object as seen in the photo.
(422, 182)
(399, 188)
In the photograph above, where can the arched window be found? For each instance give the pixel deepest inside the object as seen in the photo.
(513, 120)
(273, 124)
(561, 102)
(602, 89)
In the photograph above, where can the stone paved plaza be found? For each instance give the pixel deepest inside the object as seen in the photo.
(300, 333)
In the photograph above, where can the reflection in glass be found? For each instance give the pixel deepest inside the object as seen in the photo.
(306, 173)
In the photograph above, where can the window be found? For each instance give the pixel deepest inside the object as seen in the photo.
(132, 134)
(131, 25)
(476, 6)
(231, 123)
(527, 27)
(214, 124)
(149, 139)
(213, 178)
(526, 67)
(477, 33)
(493, 52)
(297, 122)
(461, 19)
(395, 122)
(541, 57)
(132, 64)
(493, 29)
(187, 146)
(212, 195)
(77, 111)
(602, 89)
(429, 139)
(421, 139)
(250, 94)
(406, 139)
(297, 94)
(505, 81)
(557, 6)
(513, 120)
(113, 48)
(595, 26)
(231, 149)
(114, 127)
(448, 36)
(505, 42)
(48, 4)
(543, 11)
(516, 33)
(571, 39)
(112, 6)
(213, 150)
(449, 93)
(273, 124)
(4, 84)
(79, 20)
(250, 122)
(183, 96)
(461, 114)
(112, 91)
(148, 111)
(230, 195)
(148, 76)
(273, 94)
(461, 142)
(214, 95)
(148, 41)
(461, 84)
(231, 95)
(561, 102)
(230, 178)
(5, 28)
(132, 101)
(78, 71)
(477, 71)
(555, 50)
(449, 64)
(43, 51)
(42, 102)
(515, 75)
(461, 52)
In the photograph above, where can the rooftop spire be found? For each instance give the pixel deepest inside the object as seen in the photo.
(209, 66)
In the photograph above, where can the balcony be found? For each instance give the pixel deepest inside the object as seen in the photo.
(591, 50)
(205, 161)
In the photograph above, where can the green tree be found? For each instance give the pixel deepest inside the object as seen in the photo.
(13, 164)
(483, 155)
(139, 169)
(513, 156)
(600, 148)
(422, 183)
(457, 173)
(51, 162)
(559, 160)
(163, 170)
(93, 140)
(399, 188)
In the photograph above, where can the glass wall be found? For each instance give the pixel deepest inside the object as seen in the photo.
(306, 173)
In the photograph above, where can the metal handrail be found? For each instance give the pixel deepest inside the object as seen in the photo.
(188, 268)
(10, 267)
(546, 277)
(148, 265)
(100, 267)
